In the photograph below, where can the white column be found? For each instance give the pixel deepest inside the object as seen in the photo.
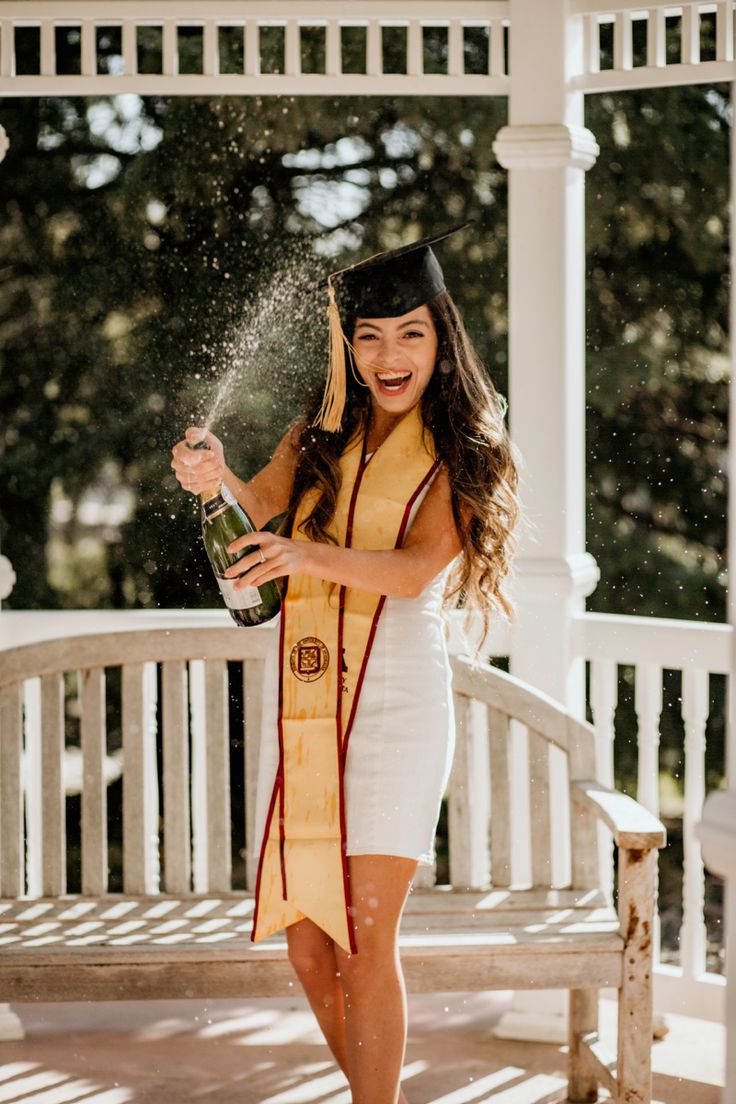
(717, 829)
(547, 149)
(10, 1026)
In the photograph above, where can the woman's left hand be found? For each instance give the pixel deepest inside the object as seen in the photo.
(275, 557)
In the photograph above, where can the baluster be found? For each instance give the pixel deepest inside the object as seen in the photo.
(129, 47)
(89, 48)
(333, 58)
(695, 707)
(591, 44)
(170, 49)
(724, 31)
(210, 49)
(33, 785)
(603, 695)
(253, 674)
(53, 842)
(374, 49)
(648, 706)
(622, 46)
(252, 51)
(657, 37)
(455, 52)
(199, 775)
(7, 48)
(690, 35)
(48, 48)
(94, 792)
(293, 55)
(415, 49)
(177, 844)
(11, 792)
(496, 52)
(219, 863)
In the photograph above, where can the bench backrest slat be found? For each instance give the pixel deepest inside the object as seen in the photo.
(53, 842)
(93, 739)
(500, 826)
(219, 861)
(539, 809)
(177, 850)
(11, 795)
(139, 875)
(253, 675)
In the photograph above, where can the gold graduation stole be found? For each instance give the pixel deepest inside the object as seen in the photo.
(326, 637)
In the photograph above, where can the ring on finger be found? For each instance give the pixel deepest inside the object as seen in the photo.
(263, 558)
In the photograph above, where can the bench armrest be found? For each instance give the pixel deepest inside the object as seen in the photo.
(633, 826)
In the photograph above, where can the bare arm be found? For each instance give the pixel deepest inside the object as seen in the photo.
(431, 544)
(267, 493)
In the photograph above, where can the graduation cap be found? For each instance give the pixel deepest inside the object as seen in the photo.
(386, 285)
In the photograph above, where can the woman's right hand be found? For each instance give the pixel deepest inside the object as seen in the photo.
(198, 469)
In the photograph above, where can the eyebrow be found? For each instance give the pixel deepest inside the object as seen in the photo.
(411, 322)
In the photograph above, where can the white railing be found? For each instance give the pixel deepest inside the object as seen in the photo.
(696, 650)
(304, 47)
(670, 38)
(296, 47)
(648, 646)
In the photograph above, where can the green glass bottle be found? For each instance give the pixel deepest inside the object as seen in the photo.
(223, 521)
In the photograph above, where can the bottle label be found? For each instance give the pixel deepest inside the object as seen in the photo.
(238, 599)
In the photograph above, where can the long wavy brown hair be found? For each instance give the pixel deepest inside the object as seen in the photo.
(465, 414)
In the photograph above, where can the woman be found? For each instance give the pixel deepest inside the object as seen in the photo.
(400, 494)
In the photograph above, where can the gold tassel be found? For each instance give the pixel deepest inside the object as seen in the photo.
(330, 413)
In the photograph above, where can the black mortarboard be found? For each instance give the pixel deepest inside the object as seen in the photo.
(385, 285)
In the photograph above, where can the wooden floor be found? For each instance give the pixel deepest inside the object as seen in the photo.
(268, 1051)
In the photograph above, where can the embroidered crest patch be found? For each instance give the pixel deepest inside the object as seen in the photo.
(309, 659)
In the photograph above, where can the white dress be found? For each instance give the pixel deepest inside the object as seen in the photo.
(403, 737)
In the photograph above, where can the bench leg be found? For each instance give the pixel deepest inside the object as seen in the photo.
(582, 1085)
(636, 882)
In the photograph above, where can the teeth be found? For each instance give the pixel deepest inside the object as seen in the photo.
(392, 375)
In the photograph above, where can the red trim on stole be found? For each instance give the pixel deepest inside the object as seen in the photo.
(379, 607)
(278, 786)
(338, 712)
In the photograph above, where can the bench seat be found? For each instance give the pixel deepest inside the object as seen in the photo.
(199, 946)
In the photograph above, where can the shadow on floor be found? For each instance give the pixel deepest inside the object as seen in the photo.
(271, 1052)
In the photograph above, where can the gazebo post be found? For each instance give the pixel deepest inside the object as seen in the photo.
(547, 149)
(10, 1026)
(717, 828)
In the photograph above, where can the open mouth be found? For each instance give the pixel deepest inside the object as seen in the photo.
(393, 383)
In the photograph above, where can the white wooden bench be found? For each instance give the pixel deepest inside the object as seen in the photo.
(180, 928)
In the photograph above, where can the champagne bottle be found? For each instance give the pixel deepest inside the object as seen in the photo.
(223, 521)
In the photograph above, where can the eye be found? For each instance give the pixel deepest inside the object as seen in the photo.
(367, 337)
(414, 333)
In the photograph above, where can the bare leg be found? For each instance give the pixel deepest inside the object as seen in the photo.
(372, 979)
(312, 954)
